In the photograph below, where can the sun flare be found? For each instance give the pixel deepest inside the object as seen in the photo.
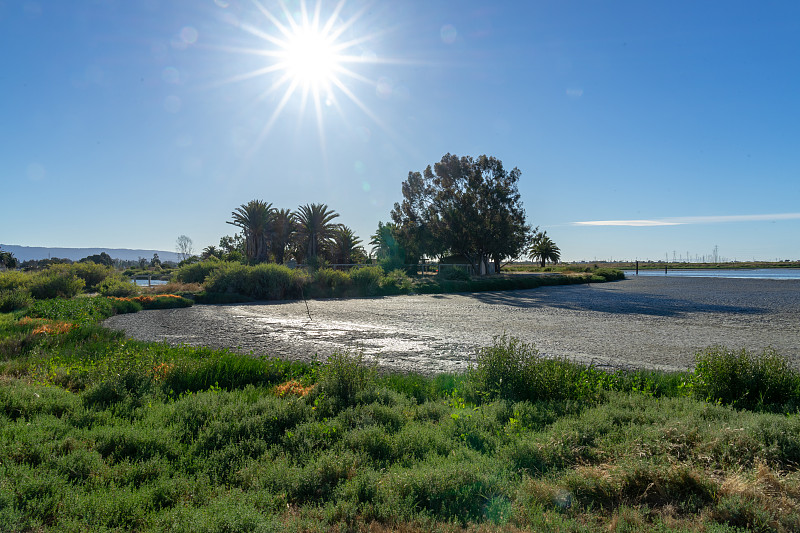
(311, 58)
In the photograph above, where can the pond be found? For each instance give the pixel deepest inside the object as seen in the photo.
(147, 283)
(734, 273)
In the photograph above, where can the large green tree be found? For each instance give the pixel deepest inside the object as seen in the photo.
(315, 229)
(466, 206)
(544, 249)
(255, 220)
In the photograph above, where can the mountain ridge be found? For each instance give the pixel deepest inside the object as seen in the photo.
(26, 253)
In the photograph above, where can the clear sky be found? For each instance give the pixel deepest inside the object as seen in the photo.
(642, 129)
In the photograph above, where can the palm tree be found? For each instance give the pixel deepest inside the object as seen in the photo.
(544, 249)
(255, 220)
(345, 245)
(314, 228)
(210, 251)
(283, 230)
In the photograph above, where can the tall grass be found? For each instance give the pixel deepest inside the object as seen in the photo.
(746, 380)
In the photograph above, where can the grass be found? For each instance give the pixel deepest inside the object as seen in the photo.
(98, 432)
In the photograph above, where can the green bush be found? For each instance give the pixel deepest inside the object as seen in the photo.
(342, 380)
(91, 273)
(116, 286)
(607, 274)
(513, 370)
(13, 279)
(330, 282)
(454, 273)
(266, 281)
(746, 380)
(13, 299)
(366, 279)
(198, 272)
(164, 302)
(124, 306)
(55, 283)
(396, 282)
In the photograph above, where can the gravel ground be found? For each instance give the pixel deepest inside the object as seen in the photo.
(644, 322)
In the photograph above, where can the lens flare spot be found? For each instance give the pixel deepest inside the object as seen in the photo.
(172, 104)
(365, 186)
(384, 87)
(189, 35)
(360, 167)
(171, 75)
(448, 34)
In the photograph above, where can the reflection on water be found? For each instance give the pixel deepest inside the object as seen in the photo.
(744, 273)
(145, 283)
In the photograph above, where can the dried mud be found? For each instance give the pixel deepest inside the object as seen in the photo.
(645, 322)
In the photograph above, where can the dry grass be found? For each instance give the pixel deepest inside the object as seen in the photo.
(292, 388)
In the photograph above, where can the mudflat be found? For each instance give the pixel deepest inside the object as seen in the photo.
(640, 322)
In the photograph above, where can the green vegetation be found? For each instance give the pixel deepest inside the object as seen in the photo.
(102, 433)
(269, 281)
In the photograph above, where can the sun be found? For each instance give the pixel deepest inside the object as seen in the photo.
(311, 58)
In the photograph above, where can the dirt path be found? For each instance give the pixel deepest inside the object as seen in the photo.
(648, 322)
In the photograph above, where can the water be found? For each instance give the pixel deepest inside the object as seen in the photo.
(754, 273)
(144, 282)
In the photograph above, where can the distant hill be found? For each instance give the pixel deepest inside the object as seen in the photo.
(24, 253)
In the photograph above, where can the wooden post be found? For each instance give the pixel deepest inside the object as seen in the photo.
(637, 267)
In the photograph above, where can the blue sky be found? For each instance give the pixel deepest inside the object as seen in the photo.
(642, 129)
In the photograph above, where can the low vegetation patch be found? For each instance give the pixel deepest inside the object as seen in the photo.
(99, 432)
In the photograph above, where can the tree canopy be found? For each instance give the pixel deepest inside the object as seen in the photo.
(465, 206)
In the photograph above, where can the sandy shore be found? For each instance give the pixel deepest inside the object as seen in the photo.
(650, 322)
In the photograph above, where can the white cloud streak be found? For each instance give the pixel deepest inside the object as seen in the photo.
(676, 221)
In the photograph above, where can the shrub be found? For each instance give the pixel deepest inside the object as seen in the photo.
(13, 299)
(91, 273)
(395, 282)
(198, 272)
(116, 286)
(330, 282)
(124, 305)
(607, 274)
(344, 377)
(514, 370)
(366, 279)
(264, 281)
(745, 380)
(13, 279)
(55, 283)
(455, 273)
